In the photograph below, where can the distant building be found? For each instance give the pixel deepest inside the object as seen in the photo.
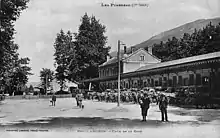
(55, 86)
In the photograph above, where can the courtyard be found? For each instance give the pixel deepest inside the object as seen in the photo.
(37, 118)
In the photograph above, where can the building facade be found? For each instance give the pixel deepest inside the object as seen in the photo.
(200, 73)
(128, 63)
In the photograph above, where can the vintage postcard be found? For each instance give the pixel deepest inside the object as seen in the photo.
(109, 68)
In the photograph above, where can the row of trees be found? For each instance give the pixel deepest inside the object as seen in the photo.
(14, 70)
(201, 41)
(77, 55)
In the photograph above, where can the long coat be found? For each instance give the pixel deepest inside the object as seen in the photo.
(145, 102)
(163, 103)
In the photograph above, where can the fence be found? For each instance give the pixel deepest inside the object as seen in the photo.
(37, 96)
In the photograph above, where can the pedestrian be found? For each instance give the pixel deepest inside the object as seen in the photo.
(163, 103)
(24, 95)
(77, 101)
(145, 105)
(158, 97)
(80, 98)
(54, 99)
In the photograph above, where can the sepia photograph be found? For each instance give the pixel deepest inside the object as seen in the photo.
(110, 68)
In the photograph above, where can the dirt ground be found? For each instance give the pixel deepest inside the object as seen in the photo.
(37, 118)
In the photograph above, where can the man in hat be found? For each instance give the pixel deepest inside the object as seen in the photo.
(145, 105)
(163, 103)
(54, 99)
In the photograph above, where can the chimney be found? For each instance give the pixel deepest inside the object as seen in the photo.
(150, 50)
(132, 49)
(125, 49)
(108, 58)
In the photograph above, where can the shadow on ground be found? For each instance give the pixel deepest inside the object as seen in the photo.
(92, 122)
(203, 115)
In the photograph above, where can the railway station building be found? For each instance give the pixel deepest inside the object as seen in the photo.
(142, 69)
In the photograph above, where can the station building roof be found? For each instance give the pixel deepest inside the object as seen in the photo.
(181, 61)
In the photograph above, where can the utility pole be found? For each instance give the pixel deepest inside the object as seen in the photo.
(1, 15)
(46, 83)
(119, 69)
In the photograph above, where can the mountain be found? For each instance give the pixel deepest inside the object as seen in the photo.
(177, 32)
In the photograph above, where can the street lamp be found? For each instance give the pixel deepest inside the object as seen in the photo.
(119, 70)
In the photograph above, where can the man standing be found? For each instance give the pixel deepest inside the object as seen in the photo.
(163, 103)
(145, 104)
(54, 99)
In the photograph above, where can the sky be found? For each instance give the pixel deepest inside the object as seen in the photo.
(38, 25)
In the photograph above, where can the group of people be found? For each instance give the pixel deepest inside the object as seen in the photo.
(127, 97)
(143, 99)
(145, 105)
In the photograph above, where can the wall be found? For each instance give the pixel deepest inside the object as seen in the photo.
(134, 62)
(148, 58)
(202, 80)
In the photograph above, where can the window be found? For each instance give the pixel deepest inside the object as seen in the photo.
(107, 72)
(165, 81)
(111, 85)
(152, 82)
(145, 84)
(191, 79)
(127, 86)
(198, 79)
(156, 83)
(205, 80)
(170, 83)
(185, 81)
(174, 81)
(141, 83)
(160, 81)
(138, 83)
(135, 84)
(142, 58)
(180, 80)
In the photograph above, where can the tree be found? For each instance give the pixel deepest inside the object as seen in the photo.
(201, 41)
(16, 71)
(46, 76)
(9, 13)
(63, 47)
(12, 72)
(31, 88)
(90, 48)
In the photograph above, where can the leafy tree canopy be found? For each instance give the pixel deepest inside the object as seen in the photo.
(77, 56)
(203, 41)
(14, 71)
